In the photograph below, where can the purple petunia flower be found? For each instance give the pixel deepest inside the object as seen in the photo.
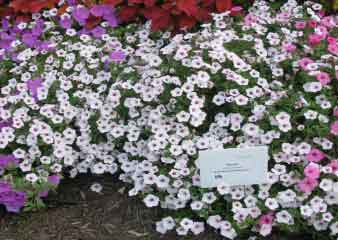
(13, 200)
(111, 19)
(44, 45)
(29, 40)
(71, 2)
(118, 56)
(81, 14)
(5, 187)
(33, 86)
(5, 44)
(43, 193)
(83, 31)
(7, 123)
(5, 160)
(98, 10)
(38, 28)
(98, 31)
(66, 22)
(5, 24)
(55, 179)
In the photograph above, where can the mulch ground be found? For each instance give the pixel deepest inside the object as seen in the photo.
(76, 213)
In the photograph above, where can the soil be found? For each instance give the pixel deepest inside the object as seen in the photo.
(76, 213)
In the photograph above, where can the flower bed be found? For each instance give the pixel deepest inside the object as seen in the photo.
(143, 104)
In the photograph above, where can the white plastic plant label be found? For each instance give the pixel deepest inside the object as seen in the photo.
(233, 166)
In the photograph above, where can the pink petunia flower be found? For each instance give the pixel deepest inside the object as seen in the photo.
(314, 39)
(300, 25)
(328, 22)
(332, 40)
(315, 155)
(266, 219)
(307, 185)
(334, 128)
(335, 112)
(312, 171)
(323, 78)
(333, 48)
(250, 19)
(304, 62)
(312, 23)
(334, 165)
(289, 47)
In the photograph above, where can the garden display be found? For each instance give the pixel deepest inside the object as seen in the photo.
(82, 91)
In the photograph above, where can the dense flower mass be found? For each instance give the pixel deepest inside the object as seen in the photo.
(143, 104)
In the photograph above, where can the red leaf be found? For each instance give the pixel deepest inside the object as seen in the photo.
(92, 22)
(127, 13)
(186, 22)
(160, 18)
(223, 5)
(32, 6)
(36, 6)
(163, 22)
(88, 3)
(189, 7)
(7, 11)
(135, 1)
(63, 9)
(203, 15)
(168, 5)
(149, 3)
(208, 3)
(22, 18)
(112, 3)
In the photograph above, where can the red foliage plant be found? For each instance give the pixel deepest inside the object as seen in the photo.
(175, 14)
(165, 14)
